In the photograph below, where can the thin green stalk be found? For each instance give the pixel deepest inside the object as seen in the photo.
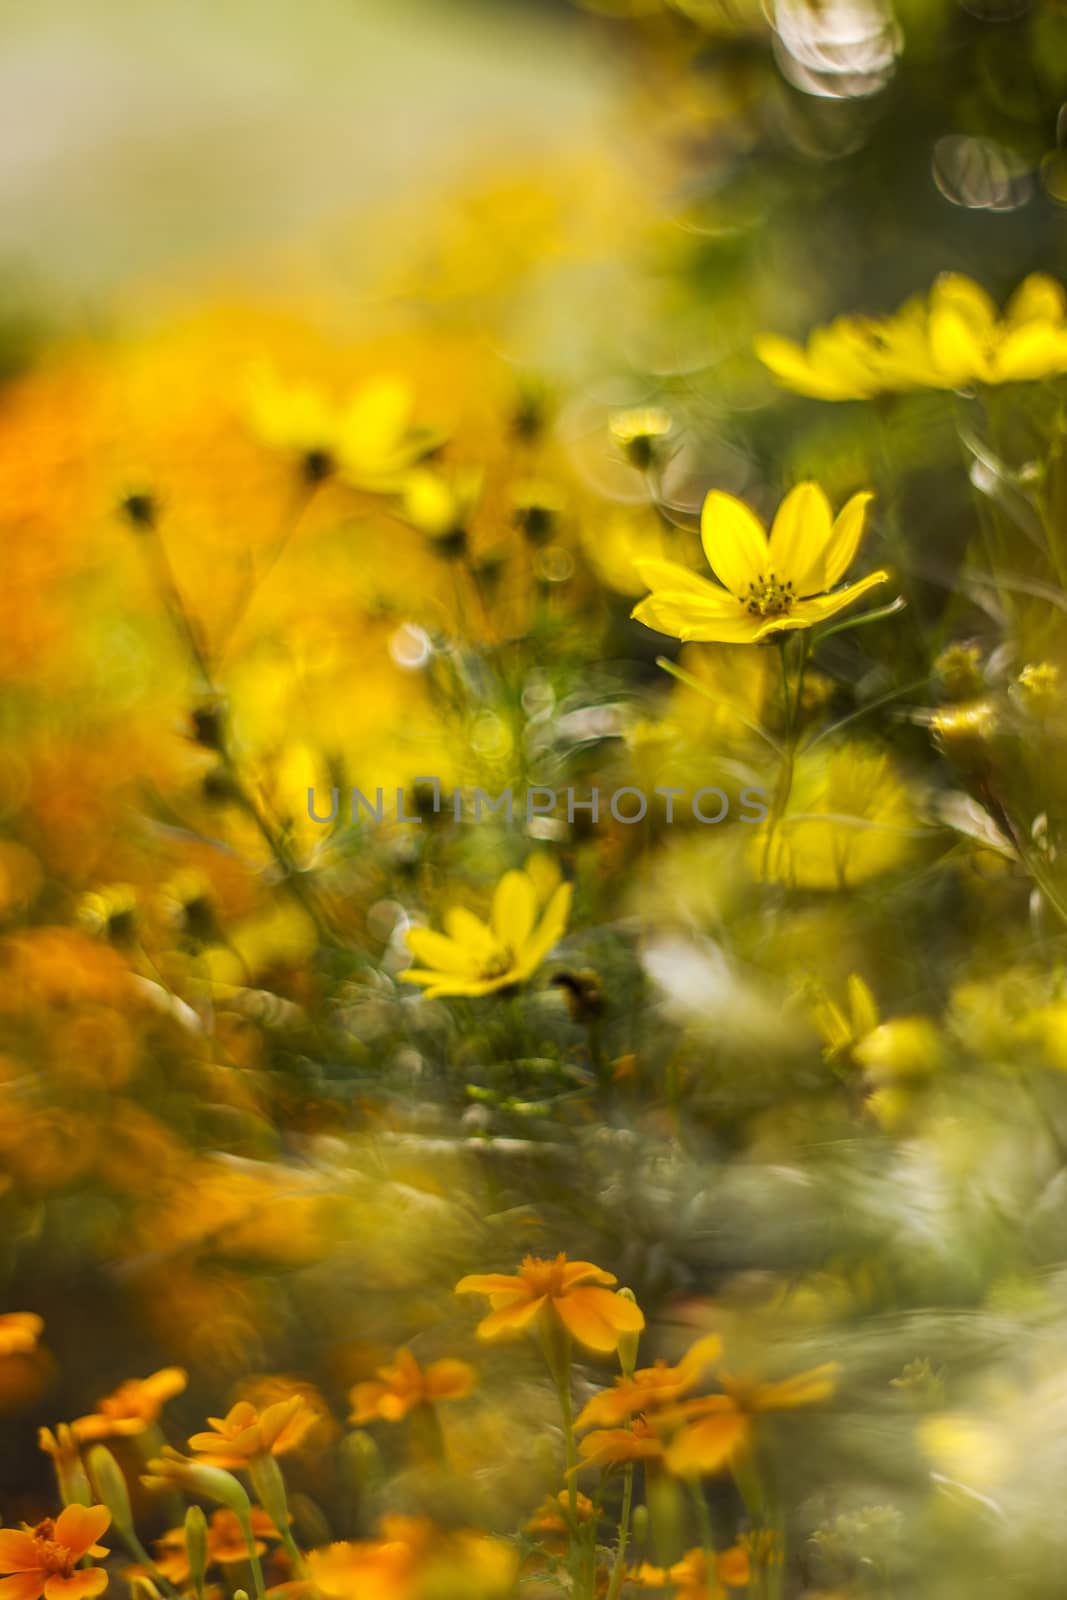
(624, 1532)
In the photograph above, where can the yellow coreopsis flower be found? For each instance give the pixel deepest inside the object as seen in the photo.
(576, 1294)
(476, 958)
(764, 585)
(369, 439)
(949, 339)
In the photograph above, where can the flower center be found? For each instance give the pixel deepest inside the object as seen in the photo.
(768, 597)
(500, 961)
(55, 1558)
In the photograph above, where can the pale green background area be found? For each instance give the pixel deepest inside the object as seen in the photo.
(162, 138)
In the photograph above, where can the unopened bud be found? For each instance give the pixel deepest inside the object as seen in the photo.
(196, 1545)
(628, 1342)
(106, 1477)
(172, 1470)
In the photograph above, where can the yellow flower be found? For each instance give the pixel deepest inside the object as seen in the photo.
(19, 1332)
(244, 1432)
(572, 1293)
(690, 1578)
(650, 1387)
(640, 433)
(842, 1031)
(719, 1426)
(617, 1447)
(132, 1408)
(414, 1560)
(404, 1385)
(949, 340)
(767, 585)
(475, 958)
(369, 439)
(225, 1543)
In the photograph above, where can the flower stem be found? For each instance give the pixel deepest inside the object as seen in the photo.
(624, 1533)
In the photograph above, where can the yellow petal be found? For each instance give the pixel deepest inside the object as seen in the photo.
(799, 539)
(734, 542)
(684, 616)
(549, 929)
(863, 1007)
(514, 910)
(510, 1319)
(844, 539)
(1038, 298)
(808, 612)
(436, 951)
(957, 354)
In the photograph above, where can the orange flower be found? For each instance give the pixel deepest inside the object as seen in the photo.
(614, 1447)
(549, 1522)
(414, 1560)
(132, 1408)
(44, 1560)
(569, 1291)
(650, 1387)
(225, 1543)
(689, 1579)
(405, 1385)
(19, 1332)
(244, 1432)
(718, 1426)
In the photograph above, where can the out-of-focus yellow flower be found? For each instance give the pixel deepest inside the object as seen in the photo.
(475, 958)
(716, 1428)
(616, 1447)
(572, 1293)
(244, 1433)
(641, 434)
(841, 1031)
(403, 1385)
(440, 504)
(904, 1047)
(549, 1522)
(369, 439)
(133, 1407)
(950, 340)
(850, 818)
(19, 1332)
(967, 1447)
(650, 1387)
(225, 1543)
(692, 1579)
(44, 1560)
(766, 585)
(1040, 690)
(414, 1560)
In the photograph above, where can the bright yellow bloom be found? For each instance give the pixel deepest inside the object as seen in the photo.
(244, 1432)
(650, 1387)
(951, 339)
(44, 1560)
(571, 1293)
(842, 1031)
(19, 1332)
(132, 1408)
(473, 958)
(718, 1427)
(766, 585)
(690, 1579)
(404, 1385)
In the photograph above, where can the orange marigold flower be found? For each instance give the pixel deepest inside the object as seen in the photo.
(19, 1332)
(718, 1426)
(691, 1579)
(133, 1407)
(244, 1432)
(549, 1521)
(404, 1385)
(650, 1387)
(225, 1543)
(574, 1293)
(44, 1560)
